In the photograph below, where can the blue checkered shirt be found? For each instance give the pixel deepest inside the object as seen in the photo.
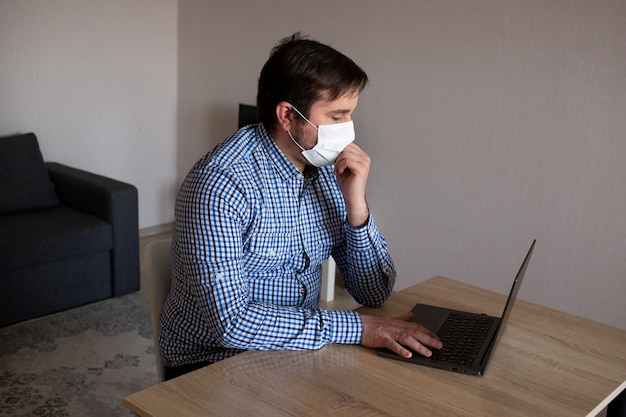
(251, 235)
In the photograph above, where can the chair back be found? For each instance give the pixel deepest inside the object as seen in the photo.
(159, 273)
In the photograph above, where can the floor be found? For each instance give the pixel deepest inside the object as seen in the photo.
(342, 300)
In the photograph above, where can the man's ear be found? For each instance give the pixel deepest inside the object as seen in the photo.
(284, 115)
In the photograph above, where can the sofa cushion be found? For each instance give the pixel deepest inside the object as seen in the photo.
(24, 180)
(40, 289)
(46, 235)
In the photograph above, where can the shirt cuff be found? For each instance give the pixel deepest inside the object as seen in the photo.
(361, 237)
(346, 327)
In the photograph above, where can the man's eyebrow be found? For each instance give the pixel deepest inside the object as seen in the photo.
(340, 111)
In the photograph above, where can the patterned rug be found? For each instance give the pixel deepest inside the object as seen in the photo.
(81, 362)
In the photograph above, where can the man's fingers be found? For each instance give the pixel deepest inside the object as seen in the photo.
(400, 343)
(396, 346)
(352, 160)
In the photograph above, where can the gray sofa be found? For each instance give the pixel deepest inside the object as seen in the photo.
(67, 237)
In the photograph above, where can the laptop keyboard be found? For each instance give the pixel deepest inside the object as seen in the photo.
(462, 336)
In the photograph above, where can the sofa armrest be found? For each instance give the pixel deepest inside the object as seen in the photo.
(111, 200)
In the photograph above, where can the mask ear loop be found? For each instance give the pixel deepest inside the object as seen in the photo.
(293, 108)
(294, 141)
(302, 115)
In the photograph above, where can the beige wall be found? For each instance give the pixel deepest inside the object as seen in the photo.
(97, 82)
(490, 123)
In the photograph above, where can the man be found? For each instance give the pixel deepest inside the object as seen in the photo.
(258, 215)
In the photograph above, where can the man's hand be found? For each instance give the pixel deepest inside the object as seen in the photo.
(352, 168)
(396, 333)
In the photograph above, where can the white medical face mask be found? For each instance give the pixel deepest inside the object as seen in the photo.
(331, 141)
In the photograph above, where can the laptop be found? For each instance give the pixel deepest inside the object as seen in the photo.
(468, 338)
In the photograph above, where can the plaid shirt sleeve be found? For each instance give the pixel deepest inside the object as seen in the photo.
(365, 265)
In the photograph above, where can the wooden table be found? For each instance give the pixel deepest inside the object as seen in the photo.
(547, 363)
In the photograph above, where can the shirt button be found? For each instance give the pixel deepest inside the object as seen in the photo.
(272, 253)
